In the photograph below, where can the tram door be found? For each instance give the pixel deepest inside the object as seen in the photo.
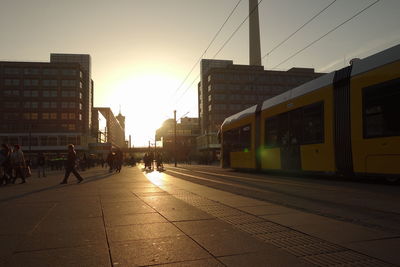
(290, 124)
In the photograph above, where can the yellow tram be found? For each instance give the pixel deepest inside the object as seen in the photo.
(344, 123)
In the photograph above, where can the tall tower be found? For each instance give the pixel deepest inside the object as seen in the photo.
(254, 32)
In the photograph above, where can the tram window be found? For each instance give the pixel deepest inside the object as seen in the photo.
(381, 109)
(238, 139)
(313, 124)
(245, 138)
(271, 131)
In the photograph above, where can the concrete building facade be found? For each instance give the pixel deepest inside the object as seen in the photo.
(114, 132)
(186, 132)
(44, 105)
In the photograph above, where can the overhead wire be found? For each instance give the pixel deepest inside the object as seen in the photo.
(296, 31)
(237, 29)
(222, 47)
(324, 35)
(209, 45)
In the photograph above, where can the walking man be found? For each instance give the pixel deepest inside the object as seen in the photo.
(18, 164)
(70, 165)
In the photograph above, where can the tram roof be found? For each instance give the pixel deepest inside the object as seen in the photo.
(303, 89)
(241, 114)
(385, 57)
(359, 66)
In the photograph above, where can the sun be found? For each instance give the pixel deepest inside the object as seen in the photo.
(147, 100)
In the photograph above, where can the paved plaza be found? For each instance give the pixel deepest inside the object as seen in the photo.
(135, 218)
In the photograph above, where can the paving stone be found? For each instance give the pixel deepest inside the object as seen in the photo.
(185, 214)
(147, 231)
(143, 218)
(156, 251)
(91, 255)
(229, 243)
(270, 257)
(204, 227)
(384, 249)
(196, 263)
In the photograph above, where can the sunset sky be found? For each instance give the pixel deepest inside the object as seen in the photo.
(142, 50)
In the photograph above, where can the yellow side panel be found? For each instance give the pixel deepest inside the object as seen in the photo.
(388, 164)
(323, 160)
(317, 157)
(243, 160)
(271, 159)
(371, 150)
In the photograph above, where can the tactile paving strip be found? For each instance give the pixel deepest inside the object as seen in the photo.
(261, 227)
(241, 219)
(313, 250)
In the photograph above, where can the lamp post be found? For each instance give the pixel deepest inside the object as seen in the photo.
(175, 138)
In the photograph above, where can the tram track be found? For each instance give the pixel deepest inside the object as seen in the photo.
(337, 202)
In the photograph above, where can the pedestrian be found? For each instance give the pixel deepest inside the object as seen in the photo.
(70, 165)
(111, 160)
(4, 161)
(18, 164)
(41, 162)
(119, 158)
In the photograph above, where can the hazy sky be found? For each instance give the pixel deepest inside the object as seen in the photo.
(143, 49)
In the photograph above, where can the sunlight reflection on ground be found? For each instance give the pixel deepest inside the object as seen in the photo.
(156, 177)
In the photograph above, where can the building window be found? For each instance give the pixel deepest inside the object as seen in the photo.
(50, 71)
(11, 92)
(45, 104)
(11, 82)
(26, 116)
(46, 93)
(64, 104)
(71, 127)
(72, 105)
(381, 110)
(45, 116)
(43, 140)
(34, 116)
(50, 83)
(11, 104)
(11, 70)
(68, 72)
(52, 140)
(63, 140)
(68, 83)
(64, 116)
(53, 116)
(34, 93)
(33, 82)
(72, 140)
(31, 71)
(71, 116)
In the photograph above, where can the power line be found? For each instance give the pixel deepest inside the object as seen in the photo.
(235, 31)
(209, 45)
(332, 30)
(222, 47)
(301, 27)
(187, 89)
